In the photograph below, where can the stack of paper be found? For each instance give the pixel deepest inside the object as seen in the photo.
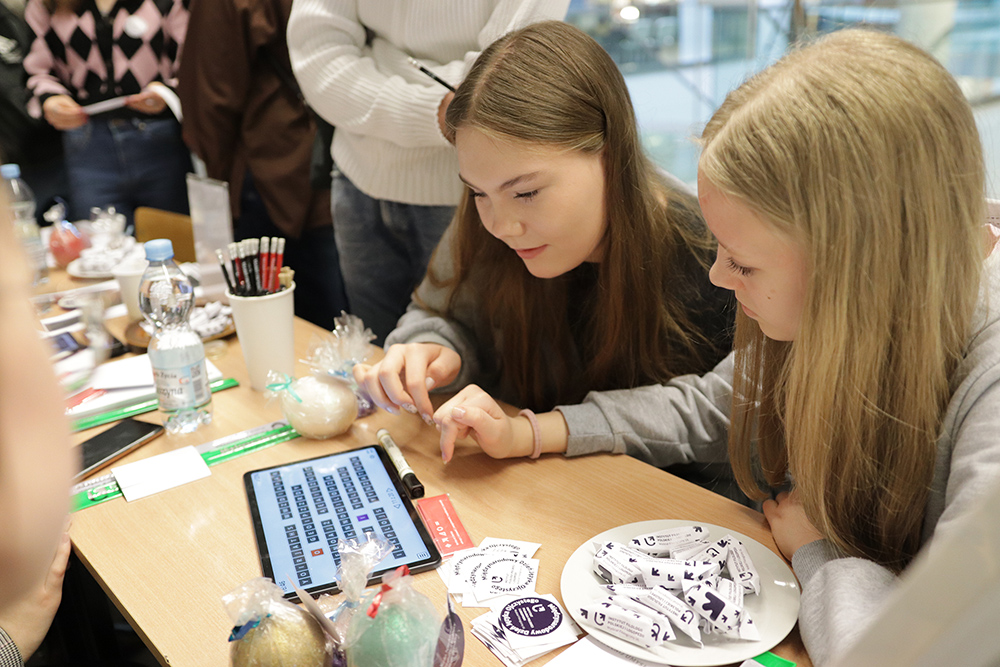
(494, 572)
(526, 628)
(119, 384)
(501, 575)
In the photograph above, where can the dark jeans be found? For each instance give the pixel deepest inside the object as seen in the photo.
(384, 248)
(319, 288)
(127, 163)
(48, 180)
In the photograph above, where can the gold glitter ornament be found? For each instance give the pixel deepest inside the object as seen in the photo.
(271, 631)
(288, 637)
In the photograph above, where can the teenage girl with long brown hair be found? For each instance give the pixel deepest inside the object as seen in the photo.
(573, 265)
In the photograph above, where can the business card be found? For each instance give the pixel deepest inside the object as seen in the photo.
(443, 524)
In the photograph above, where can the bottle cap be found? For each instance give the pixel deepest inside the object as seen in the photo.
(10, 170)
(159, 250)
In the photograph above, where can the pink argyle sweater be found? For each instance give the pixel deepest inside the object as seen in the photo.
(93, 57)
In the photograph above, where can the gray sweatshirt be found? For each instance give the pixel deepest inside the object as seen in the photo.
(709, 309)
(687, 420)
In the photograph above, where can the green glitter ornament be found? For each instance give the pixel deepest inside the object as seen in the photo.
(402, 633)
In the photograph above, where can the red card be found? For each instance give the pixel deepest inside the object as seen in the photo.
(444, 525)
(83, 396)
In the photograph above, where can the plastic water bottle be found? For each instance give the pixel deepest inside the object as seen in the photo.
(21, 200)
(176, 353)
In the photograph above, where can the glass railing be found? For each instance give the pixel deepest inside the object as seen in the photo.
(681, 57)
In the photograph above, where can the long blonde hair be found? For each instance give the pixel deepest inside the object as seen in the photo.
(862, 147)
(550, 84)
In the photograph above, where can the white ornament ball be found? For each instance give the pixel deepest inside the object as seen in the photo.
(327, 408)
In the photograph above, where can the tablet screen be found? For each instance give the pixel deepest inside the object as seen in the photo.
(300, 509)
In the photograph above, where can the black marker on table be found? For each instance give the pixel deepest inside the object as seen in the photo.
(410, 481)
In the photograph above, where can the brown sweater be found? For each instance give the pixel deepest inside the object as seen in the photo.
(240, 113)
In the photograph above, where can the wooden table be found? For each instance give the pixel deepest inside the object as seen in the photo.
(167, 560)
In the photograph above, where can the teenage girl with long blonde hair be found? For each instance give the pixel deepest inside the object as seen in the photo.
(573, 264)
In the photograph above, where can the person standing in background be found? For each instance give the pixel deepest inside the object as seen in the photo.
(395, 182)
(89, 51)
(29, 142)
(245, 117)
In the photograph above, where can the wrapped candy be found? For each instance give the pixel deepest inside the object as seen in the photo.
(272, 632)
(662, 620)
(715, 552)
(686, 592)
(618, 564)
(688, 549)
(660, 543)
(679, 613)
(741, 568)
(623, 623)
(670, 573)
(722, 614)
(734, 592)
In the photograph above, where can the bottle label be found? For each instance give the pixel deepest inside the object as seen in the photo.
(182, 388)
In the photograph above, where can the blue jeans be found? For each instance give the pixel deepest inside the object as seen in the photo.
(384, 250)
(127, 163)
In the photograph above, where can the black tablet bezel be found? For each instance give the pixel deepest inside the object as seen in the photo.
(429, 563)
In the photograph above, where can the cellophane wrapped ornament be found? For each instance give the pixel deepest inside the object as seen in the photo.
(326, 402)
(271, 631)
(396, 626)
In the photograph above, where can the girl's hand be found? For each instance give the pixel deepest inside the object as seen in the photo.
(63, 113)
(474, 412)
(789, 525)
(27, 620)
(146, 102)
(406, 374)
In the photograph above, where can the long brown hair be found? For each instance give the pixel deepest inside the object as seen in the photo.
(862, 147)
(551, 84)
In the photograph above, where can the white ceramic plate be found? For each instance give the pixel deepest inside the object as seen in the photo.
(774, 610)
(77, 270)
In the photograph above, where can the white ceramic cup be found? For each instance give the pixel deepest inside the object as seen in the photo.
(265, 327)
(129, 277)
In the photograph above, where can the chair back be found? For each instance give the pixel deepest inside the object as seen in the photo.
(154, 223)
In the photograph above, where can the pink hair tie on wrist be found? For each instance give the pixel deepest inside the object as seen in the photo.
(536, 432)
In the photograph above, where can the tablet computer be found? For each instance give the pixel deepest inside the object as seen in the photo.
(300, 509)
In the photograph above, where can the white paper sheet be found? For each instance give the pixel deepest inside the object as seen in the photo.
(160, 472)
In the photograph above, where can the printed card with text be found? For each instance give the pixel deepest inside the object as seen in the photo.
(445, 527)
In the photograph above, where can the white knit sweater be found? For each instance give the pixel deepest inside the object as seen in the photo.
(387, 139)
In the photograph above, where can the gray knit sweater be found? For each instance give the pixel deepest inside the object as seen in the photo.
(687, 420)
(709, 309)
